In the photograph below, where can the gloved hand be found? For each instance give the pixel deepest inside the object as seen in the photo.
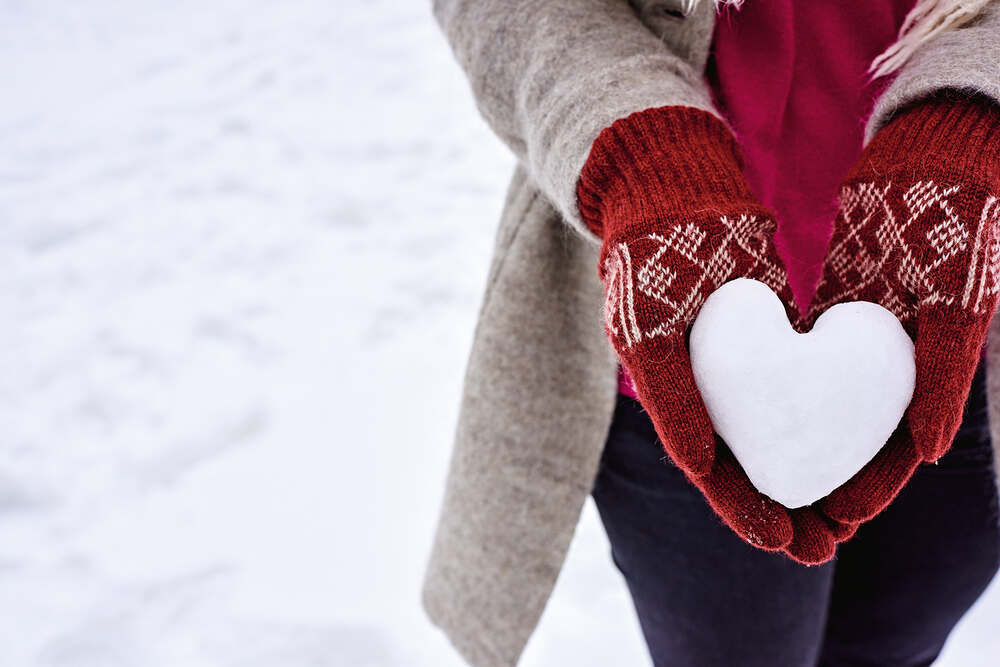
(918, 232)
(665, 191)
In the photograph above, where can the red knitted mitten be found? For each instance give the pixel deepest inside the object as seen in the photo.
(665, 190)
(918, 231)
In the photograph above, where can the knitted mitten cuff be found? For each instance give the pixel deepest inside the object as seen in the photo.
(660, 163)
(949, 136)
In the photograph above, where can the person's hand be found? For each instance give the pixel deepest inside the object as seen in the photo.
(665, 191)
(918, 232)
(805, 534)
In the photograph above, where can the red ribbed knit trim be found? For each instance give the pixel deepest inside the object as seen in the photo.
(947, 134)
(660, 161)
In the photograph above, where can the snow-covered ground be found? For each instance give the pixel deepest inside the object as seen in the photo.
(243, 244)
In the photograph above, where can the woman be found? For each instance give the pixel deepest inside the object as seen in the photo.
(669, 171)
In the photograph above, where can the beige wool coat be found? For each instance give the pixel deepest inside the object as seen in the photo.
(541, 380)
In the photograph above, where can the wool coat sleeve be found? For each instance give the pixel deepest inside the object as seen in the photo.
(549, 75)
(966, 58)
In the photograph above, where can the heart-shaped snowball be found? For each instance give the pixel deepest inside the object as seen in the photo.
(802, 413)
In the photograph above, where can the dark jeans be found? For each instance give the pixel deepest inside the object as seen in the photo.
(890, 597)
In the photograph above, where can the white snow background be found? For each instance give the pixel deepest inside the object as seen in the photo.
(242, 248)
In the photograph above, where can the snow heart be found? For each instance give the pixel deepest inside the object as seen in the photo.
(802, 413)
